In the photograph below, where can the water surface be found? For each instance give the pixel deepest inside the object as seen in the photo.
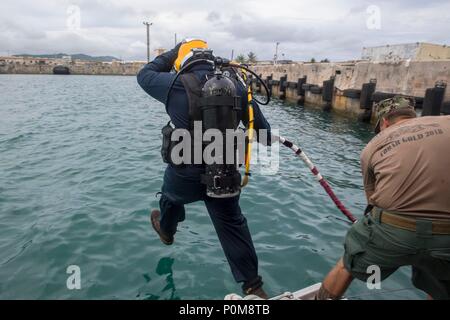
(80, 166)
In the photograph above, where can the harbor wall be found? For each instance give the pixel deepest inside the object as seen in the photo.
(411, 51)
(78, 68)
(352, 94)
(350, 88)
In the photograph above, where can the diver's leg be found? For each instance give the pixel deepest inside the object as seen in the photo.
(181, 186)
(172, 209)
(234, 235)
(170, 215)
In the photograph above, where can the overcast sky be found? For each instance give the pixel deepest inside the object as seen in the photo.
(322, 29)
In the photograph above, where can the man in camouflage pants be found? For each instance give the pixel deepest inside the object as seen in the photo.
(406, 170)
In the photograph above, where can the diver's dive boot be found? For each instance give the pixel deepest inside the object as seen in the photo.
(154, 218)
(255, 288)
(259, 292)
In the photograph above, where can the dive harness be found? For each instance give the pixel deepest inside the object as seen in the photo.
(215, 103)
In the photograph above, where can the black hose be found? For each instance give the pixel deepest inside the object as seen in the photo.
(212, 62)
(259, 79)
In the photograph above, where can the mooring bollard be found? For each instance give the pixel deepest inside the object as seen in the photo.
(328, 89)
(434, 98)
(327, 94)
(269, 83)
(367, 91)
(282, 88)
(327, 107)
(300, 90)
(366, 100)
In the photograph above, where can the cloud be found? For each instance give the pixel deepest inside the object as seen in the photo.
(213, 16)
(304, 29)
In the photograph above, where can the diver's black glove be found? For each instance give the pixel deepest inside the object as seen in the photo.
(167, 59)
(172, 55)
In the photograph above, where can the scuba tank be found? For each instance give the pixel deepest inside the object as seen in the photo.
(220, 110)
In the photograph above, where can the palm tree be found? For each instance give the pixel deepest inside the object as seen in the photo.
(251, 57)
(240, 58)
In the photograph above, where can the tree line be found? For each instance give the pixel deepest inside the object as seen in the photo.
(251, 58)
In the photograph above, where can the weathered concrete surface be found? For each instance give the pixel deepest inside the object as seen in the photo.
(291, 94)
(26, 69)
(316, 72)
(346, 106)
(433, 52)
(402, 77)
(411, 51)
(405, 77)
(314, 100)
(409, 78)
(85, 68)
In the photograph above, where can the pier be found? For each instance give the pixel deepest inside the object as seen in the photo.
(351, 88)
(26, 65)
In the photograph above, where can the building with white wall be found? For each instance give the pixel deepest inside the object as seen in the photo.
(411, 51)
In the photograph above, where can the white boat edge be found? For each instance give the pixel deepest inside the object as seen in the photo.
(307, 293)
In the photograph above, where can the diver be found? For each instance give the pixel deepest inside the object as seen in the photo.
(218, 187)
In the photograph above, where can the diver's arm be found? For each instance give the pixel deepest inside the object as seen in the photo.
(155, 77)
(261, 123)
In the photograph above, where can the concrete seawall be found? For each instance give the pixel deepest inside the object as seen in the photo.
(350, 88)
(352, 94)
(86, 68)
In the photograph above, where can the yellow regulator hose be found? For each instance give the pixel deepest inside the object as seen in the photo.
(251, 131)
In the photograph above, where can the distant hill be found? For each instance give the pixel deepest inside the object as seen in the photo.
(80, 56)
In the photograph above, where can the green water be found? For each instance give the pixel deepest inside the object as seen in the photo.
(79, 169)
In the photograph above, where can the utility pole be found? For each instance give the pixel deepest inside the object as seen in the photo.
(176, 42)
(276, 54)
(148, 24)
(232, 55)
